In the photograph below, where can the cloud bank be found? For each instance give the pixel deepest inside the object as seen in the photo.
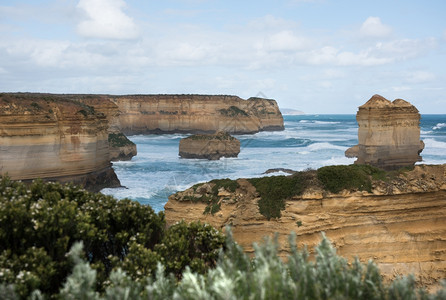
(106, 19)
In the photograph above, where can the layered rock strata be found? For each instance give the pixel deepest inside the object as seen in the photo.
(54, 138)
(142, 114)
(401, 224)
(388, 135)
(121, 148)
(209, 146)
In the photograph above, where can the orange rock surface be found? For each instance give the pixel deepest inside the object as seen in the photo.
(388, 135)
(401, 224)
(44, 136)
(196, 114)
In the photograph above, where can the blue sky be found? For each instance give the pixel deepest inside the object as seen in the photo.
(318, 56)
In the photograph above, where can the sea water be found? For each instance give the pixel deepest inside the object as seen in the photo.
(308, 142)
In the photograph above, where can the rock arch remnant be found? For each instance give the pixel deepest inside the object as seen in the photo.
(388, 134)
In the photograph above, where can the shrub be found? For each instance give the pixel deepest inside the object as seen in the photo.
(351, 177)
(212, 200)
(274, 190)
(39, 223)
(237, 276)
(195, 245)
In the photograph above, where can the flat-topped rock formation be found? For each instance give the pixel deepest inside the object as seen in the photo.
(142, 114)
(54, 138)
(145, 114)
(209, 146)
(400, 223)
(388, 135)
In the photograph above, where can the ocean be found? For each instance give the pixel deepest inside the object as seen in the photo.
(308, 142)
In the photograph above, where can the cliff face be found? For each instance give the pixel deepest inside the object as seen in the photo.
(212, 147)
(121, 148)
(388, 135)
(54, 138)
(196, 114)
(401, 224)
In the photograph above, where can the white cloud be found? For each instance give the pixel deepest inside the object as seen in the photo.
(419, 77)
(373, 27)
(285, 40)
(106, 19)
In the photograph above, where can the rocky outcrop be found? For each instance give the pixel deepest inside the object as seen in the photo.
(142, 114)
(209, 146)
(54, 138)
(388, 135)
(400, 224)
(121, 148)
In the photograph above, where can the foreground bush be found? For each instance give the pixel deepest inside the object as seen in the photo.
(39, 223)
(236, 276)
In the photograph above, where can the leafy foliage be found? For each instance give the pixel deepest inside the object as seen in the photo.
(195, 245)
(39, 223)
(237, 276)
(358, 177)
(274, 190)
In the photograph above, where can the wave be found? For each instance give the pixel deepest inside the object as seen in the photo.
(323, 146)
(432, 143)
(326, 122)
(439, 126)
(319, 122)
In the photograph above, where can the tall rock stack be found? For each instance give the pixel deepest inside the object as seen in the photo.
(388, 135)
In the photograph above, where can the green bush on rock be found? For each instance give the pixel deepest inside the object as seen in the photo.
(351, 177)
(39, 223)
(274, 190)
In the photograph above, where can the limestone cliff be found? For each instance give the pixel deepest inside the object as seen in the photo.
(388, 135)
(400, 223)
(121, 148)
(54, 138)
(209, 146)
(140, 114)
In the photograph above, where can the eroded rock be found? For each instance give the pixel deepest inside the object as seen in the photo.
(54, 138)
(209, 146)
(388, 134)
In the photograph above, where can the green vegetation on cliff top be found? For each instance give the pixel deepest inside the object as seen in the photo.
(118, 140)
(221, 136)
(275, 190)
(122, 250)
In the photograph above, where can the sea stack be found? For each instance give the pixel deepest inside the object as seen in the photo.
(209, 146)
(388, 134)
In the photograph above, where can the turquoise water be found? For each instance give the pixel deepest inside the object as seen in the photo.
(308, 141)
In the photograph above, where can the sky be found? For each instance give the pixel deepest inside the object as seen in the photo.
(317, 56)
